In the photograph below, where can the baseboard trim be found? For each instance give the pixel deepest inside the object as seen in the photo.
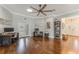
(51, 37)
(71, 35)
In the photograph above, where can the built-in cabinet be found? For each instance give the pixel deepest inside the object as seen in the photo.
(57, 29)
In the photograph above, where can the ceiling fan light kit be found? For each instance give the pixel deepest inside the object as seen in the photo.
(29, 10)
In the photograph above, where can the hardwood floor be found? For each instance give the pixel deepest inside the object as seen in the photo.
(71, 46)
(8, 49)
(45, 46)
(38, 45)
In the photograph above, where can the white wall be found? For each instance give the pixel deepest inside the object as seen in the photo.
(70, 26)
(19, 25)
(5, 19)
(51, 30)
(23, 24)
(39, 23)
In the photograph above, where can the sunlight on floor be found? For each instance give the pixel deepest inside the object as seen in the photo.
(22, 45)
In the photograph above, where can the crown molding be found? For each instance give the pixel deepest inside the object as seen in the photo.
(65, 14)
(7, 8)
(20, 14)
(69, 13)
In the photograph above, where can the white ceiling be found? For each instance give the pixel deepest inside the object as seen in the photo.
(60, 8)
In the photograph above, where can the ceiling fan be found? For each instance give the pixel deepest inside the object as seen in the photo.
(41, 10)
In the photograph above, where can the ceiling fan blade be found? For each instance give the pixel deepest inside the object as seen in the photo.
(34, 8)
(38, 13)
(43, 6)
(43, 13)
(39, 5)
(48, 10)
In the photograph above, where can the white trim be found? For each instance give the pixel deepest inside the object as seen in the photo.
(51, 37)
(6, 8)
(16, 13)
(65, 13)
(53, 15)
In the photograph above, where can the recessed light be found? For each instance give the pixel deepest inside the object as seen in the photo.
(29, 10)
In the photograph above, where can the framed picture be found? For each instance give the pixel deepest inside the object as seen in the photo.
(48, 25)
